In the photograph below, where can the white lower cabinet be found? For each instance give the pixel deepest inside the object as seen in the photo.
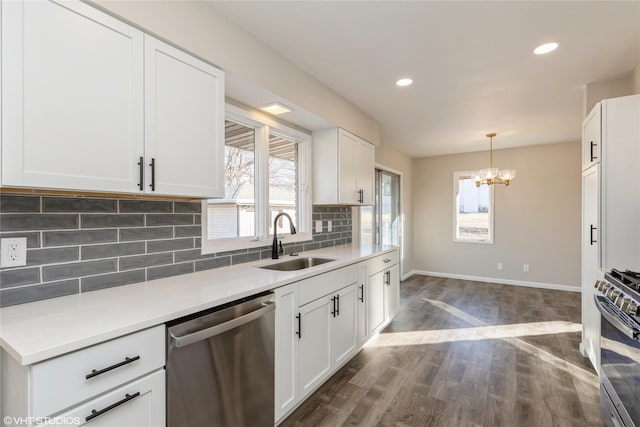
(286, 351)
(344, 334)
(315, 339)
(392, 292)
(375, 302)
(322, 322)
(363, 331)
(122, 380)
(138, 404)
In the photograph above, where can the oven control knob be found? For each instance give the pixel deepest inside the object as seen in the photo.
(622, 303)
(612, 293)
(602, 285)
(632, 308)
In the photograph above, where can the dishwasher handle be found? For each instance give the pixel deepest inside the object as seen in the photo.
(184, 340)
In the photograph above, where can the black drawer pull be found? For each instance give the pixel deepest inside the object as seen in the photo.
(338, 301)
(593, 156)
(153, 174)
(591, 235)
(141, 165)
(126, 361)
(362, 293)
(96, 413)
(299, 333)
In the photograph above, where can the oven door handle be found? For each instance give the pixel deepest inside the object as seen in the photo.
(612, 318)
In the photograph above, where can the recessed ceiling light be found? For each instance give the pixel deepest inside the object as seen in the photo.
(545, 48)
(404, 82)
(275, 108)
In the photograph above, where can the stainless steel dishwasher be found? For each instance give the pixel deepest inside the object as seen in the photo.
(220, 366)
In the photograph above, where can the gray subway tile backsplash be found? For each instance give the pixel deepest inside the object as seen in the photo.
(10, 203)
(24, 294)
(65, 238)
(169, 270)
(148, 233)
(79, 269)
(111, 220)
(111, 250)
(23, 222)
(169, 219)
(81, 244)
(110, 280)
(79, 205)
(16, 277)
(141, 261)
(145, 206)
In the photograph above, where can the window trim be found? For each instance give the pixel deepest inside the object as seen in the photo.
(264, 125)
(457, 175)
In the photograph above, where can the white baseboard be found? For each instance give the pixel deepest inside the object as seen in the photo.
(541, 285)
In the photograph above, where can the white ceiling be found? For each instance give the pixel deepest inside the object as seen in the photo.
(471, 61)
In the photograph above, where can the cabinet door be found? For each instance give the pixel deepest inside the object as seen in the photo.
(375, 301)
(314, 345)
(184, 123)
(286, 351)
(366, 172)
(591, 236)
(72, 98)
(363, 331)
(343, 326)
(392, 292)
(139, 404)
(591, 138)
(348, 150)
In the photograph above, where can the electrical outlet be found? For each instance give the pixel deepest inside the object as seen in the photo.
(318, 226)
(499, 266)
(525, 268)
(329, 227)
(13, 252)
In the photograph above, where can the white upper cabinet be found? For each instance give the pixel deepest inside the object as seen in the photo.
(184, 123)
(343, 168)
(72, 97)
(90, 103)
(591, 138)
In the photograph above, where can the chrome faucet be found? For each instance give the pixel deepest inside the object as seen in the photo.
(275, 251)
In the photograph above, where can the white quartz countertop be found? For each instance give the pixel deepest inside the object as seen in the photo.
(41, 330)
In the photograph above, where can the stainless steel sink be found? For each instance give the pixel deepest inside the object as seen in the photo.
(297, 264)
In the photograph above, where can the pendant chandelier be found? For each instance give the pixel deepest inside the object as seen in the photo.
(493, 175)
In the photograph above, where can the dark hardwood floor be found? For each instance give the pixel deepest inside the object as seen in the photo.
(463, 353)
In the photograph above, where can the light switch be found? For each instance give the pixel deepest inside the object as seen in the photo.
(329, 228)
(318, 226)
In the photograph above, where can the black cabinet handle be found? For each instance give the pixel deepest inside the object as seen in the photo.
(591, 235)
(126, 361)
(361, 196)
(153, 174)
(387, 277)
(361, 293)
(333, 306)
(95, 413)
(593, 145)
(338, 304)
(141, 166)
(299, 333)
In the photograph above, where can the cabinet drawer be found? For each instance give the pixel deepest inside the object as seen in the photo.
(382, 262)
(61, 382)
(324, 284)
(140, 404)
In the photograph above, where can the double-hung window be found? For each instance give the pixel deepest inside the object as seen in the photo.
(472, 210)
(266, 171)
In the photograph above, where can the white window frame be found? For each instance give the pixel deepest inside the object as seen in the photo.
(265, 125)
(456, 181)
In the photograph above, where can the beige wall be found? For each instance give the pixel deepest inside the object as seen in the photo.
(537, 218)
(390, 158)
(198, 28)
(635, 79)
(595, 92)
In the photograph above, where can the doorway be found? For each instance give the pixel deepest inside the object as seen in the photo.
(380, 224)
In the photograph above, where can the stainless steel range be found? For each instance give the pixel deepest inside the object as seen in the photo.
(618, 299)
